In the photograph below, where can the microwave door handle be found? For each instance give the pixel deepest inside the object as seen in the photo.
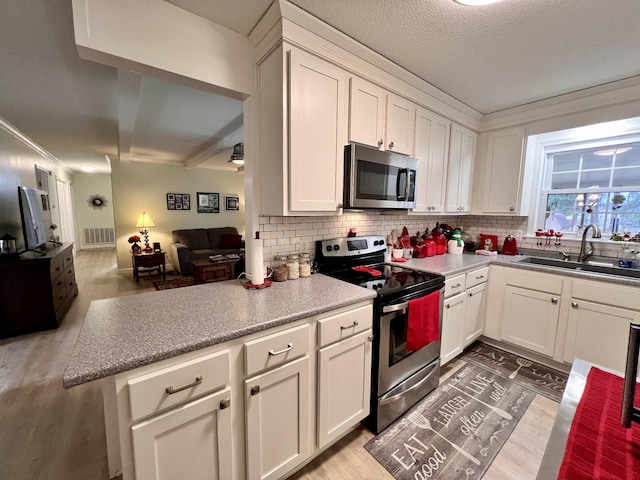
(408, 186)
(401, 172)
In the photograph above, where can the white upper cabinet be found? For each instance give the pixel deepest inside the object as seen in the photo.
(380, 119)
(503, 172)
(303, 130)
(366, 113)
(462, 147)
(432, 151)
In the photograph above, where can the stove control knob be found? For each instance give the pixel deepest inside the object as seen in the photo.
(336, 247)
(329, 248)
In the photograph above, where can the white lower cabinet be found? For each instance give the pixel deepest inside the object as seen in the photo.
(530, 319)
(192, 441)
(451, 335)
(278, 432)
(473, 324)
(344, 385)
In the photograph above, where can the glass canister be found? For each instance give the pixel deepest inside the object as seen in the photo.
(280, 271)
(293, 266)
(305, 265)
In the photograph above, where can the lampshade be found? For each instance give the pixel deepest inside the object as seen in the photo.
(144, 221)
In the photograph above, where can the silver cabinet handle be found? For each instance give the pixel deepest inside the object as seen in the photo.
(226, 403)
(479, 277)
(512, 209)
(457, 285)
(255, 390)
(574, 304)
(471, 294)
(554, 300)
(395, 308)
(280, 352)
(353, 325)
(390, 144)
(448, 305)
(370, 338)
(170, 390)
(380, 142)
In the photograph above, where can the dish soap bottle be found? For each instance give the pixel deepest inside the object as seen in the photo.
(455, 245)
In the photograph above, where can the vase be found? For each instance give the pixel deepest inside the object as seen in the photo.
(135, 248)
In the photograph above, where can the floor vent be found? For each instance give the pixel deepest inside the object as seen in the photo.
(99, 235)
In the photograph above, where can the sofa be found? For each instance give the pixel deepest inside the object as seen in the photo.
(191, 244)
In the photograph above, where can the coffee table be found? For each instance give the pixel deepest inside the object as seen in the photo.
(205, 271)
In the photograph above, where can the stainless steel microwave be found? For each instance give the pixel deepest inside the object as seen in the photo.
(377, 179)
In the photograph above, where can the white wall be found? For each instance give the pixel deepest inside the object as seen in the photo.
(139, 187)
(85, 186)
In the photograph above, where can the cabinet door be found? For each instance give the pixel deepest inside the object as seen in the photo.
(400, 128)
(599, 334)
(530, 319)
(431, 149)
(503, 183)
(278, 420)
(192, 441)
(366, 113)
(451, 335)
(473, 324)
(344, 386)
(318, 133)
(462, 147)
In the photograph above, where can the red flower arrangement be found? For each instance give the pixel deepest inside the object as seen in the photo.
(134, 239)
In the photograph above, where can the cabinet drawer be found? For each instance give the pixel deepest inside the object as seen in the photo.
(148, 393)
(542, 282)
(57, 266)
(272, 350)
(477, 277)
(58, 290)
(454, 285)
(608, 294)
(343, 325)
(67, 259)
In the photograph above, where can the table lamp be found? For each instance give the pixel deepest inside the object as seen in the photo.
(144, 222)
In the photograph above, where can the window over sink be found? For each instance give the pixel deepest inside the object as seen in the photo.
(589, 175)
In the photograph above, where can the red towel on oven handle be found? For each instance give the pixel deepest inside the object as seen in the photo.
(423, 323)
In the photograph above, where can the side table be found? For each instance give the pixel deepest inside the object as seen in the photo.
(149, 262)
(205, 271)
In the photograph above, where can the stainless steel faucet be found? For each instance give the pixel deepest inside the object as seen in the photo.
(583, 256)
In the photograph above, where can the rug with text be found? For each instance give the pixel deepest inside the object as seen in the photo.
(456, 431)
(544, 380)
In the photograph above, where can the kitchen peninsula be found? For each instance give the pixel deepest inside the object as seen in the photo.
(208, 359)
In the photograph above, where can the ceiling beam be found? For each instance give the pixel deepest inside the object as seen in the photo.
(224, 139)
(129, 88)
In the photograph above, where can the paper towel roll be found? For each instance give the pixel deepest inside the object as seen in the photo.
(257, 264)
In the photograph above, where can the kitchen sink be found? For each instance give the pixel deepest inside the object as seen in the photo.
(577, 266)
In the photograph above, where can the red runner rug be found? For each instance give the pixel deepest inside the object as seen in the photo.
(599, 447)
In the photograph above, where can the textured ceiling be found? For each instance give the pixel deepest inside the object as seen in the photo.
(496, 56)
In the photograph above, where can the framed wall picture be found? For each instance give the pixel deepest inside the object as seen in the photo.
(178, 201)
(232, 202)
(208, 202)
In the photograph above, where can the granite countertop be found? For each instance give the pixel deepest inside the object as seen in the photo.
(124, 333)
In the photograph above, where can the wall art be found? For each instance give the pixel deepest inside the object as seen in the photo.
(178, 201)
(208, 202)
(232, 202)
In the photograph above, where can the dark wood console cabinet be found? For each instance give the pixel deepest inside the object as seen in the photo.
(36, 291)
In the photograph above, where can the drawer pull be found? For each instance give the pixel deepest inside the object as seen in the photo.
(574, 304)
(354, 324)
(554, 300)
(479, 277)
(170, 390)
(226, 403)
(457, 285)
(255, 390)
(280, 352)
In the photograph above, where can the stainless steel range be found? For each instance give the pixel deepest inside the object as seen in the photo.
(399, 378)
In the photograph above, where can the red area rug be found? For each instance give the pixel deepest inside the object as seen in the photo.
(173, 283)
(599, 447)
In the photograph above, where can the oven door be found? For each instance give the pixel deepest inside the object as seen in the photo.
(394, 363)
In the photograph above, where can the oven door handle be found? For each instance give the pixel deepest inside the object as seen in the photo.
(398, 396)
(395, 308)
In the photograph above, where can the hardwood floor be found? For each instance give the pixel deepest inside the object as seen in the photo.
(47, 432)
